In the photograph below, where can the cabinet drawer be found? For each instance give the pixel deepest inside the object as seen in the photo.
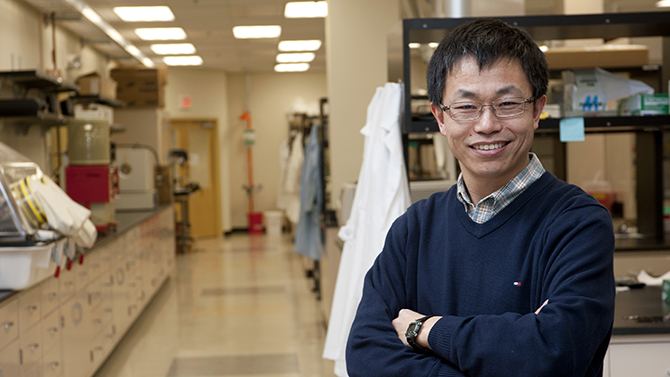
(94, 262)
(10, 360)
(31, 347)
(66, 282)
(53, 362)
(51, 330)
(29, 308)
(639, 359)
(9, 321)
(81, 274)
(50, 295)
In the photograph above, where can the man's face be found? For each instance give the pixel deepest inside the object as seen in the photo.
(490, 150)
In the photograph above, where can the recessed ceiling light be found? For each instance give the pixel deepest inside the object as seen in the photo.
(433, 44)
(544, 48)
(414, 45)
(173, 49)
(161, 33)
(150, 14)
(247, 32)
(306, 9)
(663, 3)
(297, 67)
(302, 57)
(306, 45)
(183, 60)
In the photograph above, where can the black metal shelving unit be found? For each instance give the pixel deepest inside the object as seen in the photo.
(649, 130)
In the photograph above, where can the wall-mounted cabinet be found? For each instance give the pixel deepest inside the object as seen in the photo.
(648, 130)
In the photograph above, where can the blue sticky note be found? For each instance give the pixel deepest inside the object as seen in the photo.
(572, 129)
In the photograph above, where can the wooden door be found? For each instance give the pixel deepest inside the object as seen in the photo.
(198, 138)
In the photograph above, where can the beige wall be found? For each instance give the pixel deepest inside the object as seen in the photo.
(209, 96)
(271, 97)
(356, 61)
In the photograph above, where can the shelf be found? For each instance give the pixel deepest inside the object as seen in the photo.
(99, 99)
(38, 80)
(44, 119)
(612, 124)
(548, 27)
(591, 124)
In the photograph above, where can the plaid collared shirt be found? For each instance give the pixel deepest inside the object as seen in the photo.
(496, 201)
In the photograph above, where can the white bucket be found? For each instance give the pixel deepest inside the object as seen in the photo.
(273, 223)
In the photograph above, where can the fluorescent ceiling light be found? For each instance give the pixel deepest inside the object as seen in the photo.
(433, 44)
(297, 67)
(544, 48)
(663, 3)
(247, 32)
(112, 33)
(161, 33)
(306, 45)
(303, 57)
(414, 45)
(150, 14)
(183, 60)
(173, 49)
(306, 9)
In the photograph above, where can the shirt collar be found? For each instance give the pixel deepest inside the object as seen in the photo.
(513, 188)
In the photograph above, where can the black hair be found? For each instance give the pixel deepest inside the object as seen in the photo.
(488, 41)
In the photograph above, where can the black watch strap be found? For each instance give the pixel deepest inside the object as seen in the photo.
(413, 331)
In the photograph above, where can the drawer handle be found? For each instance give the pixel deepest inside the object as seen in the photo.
(52, 295)
(34, 346)
(53, 330)
(83, 273)
(96, 265)
(68, 283)
(7, 325)
(54, 365)
(32, 308)
(107, 310)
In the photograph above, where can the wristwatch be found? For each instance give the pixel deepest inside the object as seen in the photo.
(413, 331)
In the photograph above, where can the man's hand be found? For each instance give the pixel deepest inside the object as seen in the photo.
(405, 317)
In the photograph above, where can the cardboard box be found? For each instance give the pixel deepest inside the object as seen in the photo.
(94, 84)
(141, 87)
(608, 56)
(644, 104)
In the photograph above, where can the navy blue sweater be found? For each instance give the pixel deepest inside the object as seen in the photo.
(552, 242)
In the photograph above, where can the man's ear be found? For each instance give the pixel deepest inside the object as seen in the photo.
(439, 116)
(538, 106)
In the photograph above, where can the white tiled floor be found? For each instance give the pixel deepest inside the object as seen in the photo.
(235, 306)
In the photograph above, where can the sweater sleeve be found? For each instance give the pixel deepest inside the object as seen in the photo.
(569, 333)
(373, 348)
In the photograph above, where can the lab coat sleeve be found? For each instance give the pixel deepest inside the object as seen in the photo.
(562, 339)
(373, 348)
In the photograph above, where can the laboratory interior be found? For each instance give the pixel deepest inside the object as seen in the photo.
(185, 184)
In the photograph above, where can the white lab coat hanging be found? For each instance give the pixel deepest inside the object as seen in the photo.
(382, 194)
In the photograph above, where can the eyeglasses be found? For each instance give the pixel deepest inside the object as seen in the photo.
(502, 108)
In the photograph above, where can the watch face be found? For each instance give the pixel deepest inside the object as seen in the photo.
(413, 329)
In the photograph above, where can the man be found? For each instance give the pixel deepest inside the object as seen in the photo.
(509, 273)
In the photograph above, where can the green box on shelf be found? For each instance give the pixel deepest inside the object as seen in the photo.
(644, 104)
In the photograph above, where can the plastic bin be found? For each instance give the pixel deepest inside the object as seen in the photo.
(24, 266)
(273, 223)
(256, 222)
